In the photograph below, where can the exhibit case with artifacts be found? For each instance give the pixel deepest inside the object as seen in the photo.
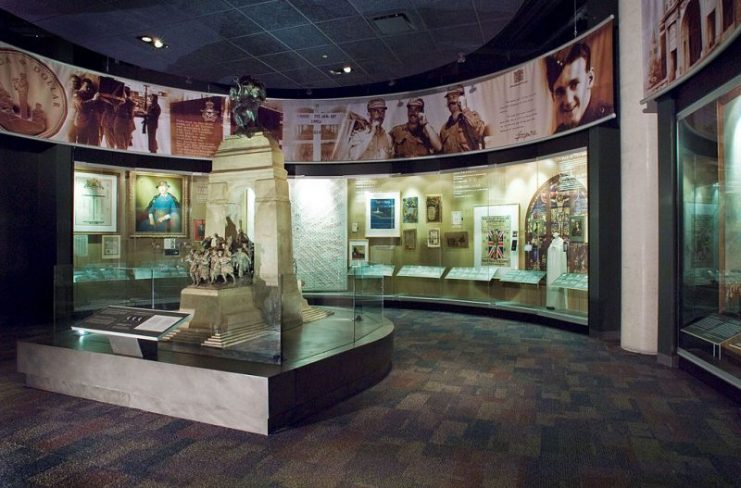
(709, 232)
(509, 236)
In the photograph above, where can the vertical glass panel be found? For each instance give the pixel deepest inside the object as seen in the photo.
(709, 156)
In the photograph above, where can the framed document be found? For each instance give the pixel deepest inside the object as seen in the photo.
(382, 215)
(159, 204)
(358, 251)
(95, 202)
(433, 237)
(111, 247)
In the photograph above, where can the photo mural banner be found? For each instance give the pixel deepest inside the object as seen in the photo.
(679, 35)
(47, 99)
(565, 90)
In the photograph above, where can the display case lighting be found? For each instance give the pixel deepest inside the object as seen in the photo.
(155, 42)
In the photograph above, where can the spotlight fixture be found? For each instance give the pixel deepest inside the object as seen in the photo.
(341, 70)
(461, 58)
(392, 82)
(155, 42)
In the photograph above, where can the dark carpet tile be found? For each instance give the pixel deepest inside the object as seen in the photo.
(470, 402)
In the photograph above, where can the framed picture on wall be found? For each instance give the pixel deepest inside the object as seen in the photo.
(434, 208)
(433, 237)
(410, 239)
(95, 202)
(159, 204)
(410, 210)
(382, 215)
(358, 251)
(199, 229)
(495, 229)
(457, 240)
(578, 228)
(111, 247)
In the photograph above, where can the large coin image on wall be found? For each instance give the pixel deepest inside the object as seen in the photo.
(558, 207)
(319, 208)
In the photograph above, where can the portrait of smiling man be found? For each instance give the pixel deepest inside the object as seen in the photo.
(571, 77)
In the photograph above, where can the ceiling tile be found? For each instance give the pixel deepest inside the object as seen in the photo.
(222, 50)
(487, 8)
(285, 61)
(246, 66)
(344, 30)
(324, 55)
(199, 7)
(437, 14)
(321, 10)
(410, 43)
(306, 76)
(460, 39)
(275, 15)
(367, 7)
(260, 44)
(301, 36)
(370, 49)
(230, 24)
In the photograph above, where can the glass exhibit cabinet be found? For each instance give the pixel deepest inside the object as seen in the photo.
(510, 236)
(709, 232)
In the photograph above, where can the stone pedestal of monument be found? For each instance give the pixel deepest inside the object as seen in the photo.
(255, 164)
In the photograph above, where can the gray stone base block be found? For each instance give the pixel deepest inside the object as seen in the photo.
(235, 394)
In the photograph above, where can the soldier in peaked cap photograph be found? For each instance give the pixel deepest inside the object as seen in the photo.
(464, 129)
(368, 139)
(571, 79)
(416, 137)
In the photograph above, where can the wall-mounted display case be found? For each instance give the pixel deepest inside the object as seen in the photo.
(709, 233)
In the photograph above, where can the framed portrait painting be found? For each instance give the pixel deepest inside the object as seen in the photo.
(358, 251)
(159, 204)
(95, 202)
(382, 215)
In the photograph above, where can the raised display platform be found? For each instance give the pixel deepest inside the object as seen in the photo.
(322, 365)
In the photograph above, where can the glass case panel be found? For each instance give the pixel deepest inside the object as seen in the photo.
(510, 236)
(709, 158)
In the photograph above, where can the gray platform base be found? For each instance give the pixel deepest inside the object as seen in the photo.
(261, 401)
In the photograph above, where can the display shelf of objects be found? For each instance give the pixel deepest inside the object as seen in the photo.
(715, 329)
(372, 270)
(572, 281)
(485, 273)
(522, 276)
(416, 271)
(146, 273)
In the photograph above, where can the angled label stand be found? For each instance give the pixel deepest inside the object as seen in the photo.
(132, 331)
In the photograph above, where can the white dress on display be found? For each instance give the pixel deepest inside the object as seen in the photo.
(556, 265)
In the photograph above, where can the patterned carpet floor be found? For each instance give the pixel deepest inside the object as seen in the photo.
(471, 401)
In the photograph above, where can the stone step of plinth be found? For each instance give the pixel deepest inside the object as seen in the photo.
(237, 335)
(191, 336)
(311, 314)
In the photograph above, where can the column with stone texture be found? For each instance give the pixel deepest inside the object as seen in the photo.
(639, 183)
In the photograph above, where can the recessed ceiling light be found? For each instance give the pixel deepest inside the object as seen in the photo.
(158, 43)
(147, 39)
(347, 69)
(324, 56)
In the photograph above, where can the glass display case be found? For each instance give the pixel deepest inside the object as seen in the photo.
(510, 236)
(709, 223)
